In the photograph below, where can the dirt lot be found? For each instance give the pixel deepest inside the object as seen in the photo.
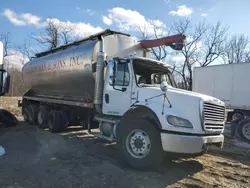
(38, 158)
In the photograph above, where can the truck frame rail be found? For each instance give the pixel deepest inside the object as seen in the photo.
(58, 101)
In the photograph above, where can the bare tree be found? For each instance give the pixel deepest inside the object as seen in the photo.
(50, 36)
(66, 33)
(56, 33)
(154, 31)
(247, 56)
(5, 38)
(203, 46)
(17, 86)
(27, 51)
(159, 52)
(214, 44)
(236, 49)
(190, 48)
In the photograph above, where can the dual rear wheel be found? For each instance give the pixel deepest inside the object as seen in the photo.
(43, 117)
(57, 121)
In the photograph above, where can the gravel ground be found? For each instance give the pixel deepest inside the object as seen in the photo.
(38, 158)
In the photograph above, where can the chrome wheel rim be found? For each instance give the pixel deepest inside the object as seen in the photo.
(246, 130)
(138, 144)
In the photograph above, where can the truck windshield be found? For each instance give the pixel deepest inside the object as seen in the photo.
(149, 74)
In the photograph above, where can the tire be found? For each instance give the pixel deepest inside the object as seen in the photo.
(8, 119)
(42, 116)
(243, 129)
(32, 111)
(128, 136)
(54, 121)
(64, 120)
(26, 114)
(237, 115)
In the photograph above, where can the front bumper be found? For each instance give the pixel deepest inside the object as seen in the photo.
(189, 144)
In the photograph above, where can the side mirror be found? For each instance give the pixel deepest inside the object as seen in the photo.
(4, 82)
(111, 71)
(164, 84)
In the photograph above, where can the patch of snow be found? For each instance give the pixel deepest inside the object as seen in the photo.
(241, 144)
(2, 151)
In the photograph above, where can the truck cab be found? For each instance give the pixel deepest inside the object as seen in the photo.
(143, 91)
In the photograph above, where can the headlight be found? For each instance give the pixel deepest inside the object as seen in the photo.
(180, 122)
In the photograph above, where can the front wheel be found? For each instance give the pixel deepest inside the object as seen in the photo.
(139, 144)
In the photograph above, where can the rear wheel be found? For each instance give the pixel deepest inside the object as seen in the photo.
(57, 121)
(26, 114)
(42, 116)
(54, 121)
(237, 115)
(139, 144)
(32, 114)
(243, 129)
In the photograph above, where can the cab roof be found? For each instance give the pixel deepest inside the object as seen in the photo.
(150, 61)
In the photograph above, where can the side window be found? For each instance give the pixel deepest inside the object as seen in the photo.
(122, 77)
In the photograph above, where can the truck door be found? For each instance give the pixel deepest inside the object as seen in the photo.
(117, 95)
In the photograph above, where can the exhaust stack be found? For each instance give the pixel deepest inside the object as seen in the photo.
(99, 80)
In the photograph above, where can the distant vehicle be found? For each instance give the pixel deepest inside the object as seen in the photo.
(110, 79)
(4, 76)
(229, 83)
(6, 117)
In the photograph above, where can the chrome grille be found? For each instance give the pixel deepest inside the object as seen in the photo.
(214, 116)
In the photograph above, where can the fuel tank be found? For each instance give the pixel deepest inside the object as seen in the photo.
(69, 72)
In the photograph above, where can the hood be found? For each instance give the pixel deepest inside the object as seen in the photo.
(172, 93)
(195, 94)
(179, 103)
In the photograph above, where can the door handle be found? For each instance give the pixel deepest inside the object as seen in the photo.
(107, 98)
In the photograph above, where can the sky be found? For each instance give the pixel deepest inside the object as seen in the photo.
(24, 18)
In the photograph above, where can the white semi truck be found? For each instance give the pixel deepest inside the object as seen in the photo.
(229, 83)
(132, 97)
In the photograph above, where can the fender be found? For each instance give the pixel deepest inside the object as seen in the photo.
(144, 112)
